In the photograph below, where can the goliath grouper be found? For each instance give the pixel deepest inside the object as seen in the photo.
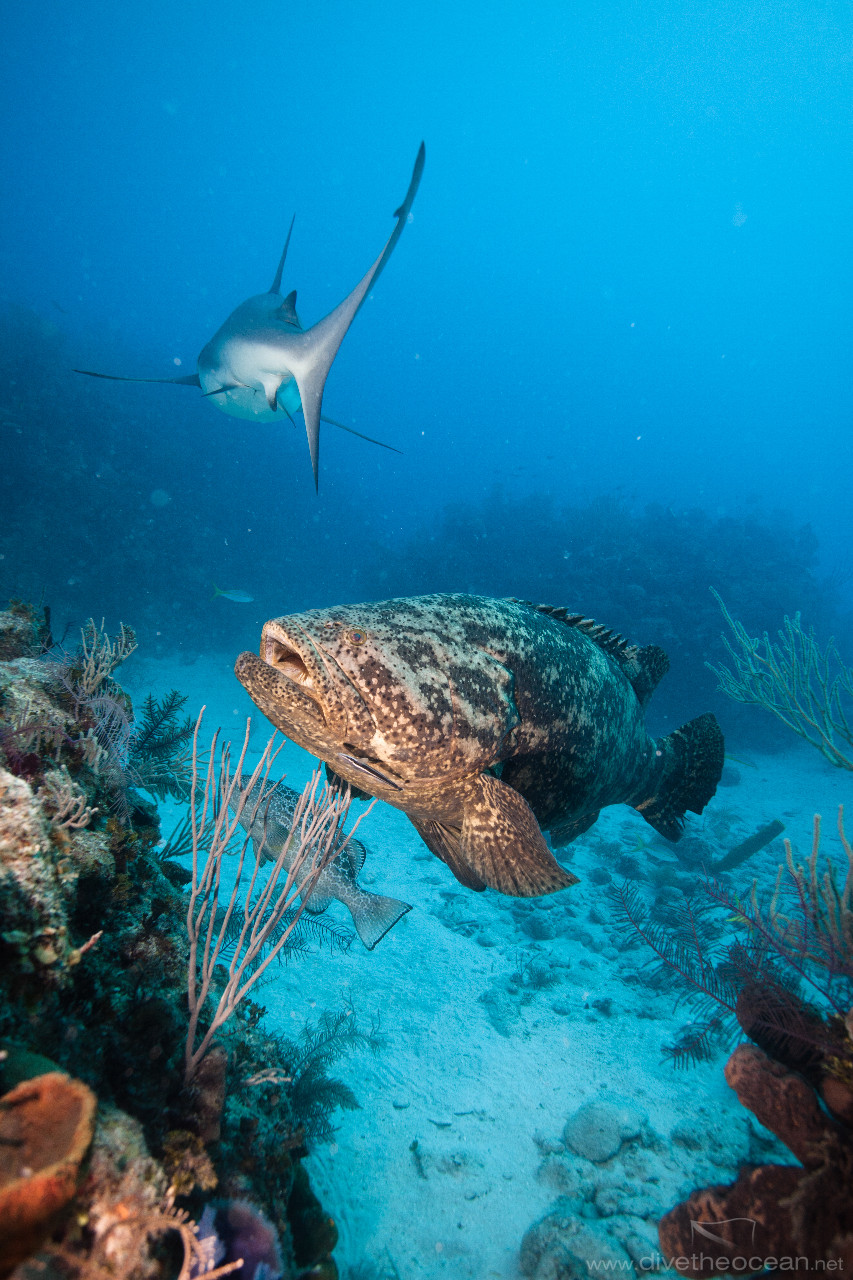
(487, 722)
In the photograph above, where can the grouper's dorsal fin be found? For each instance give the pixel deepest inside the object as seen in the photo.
(642, 668)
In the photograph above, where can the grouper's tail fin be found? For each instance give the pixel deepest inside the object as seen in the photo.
(373, 915)
(691, 763)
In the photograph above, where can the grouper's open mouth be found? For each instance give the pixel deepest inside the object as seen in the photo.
(305, 665)
(284, 658)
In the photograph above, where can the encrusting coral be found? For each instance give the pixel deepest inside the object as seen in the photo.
(46, 1126)
(773, 1211)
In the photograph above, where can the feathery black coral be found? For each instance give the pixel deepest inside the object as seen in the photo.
(786, 981)
(688, 949)
(159, 757)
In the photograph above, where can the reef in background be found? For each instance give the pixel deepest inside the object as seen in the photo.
(93, 986)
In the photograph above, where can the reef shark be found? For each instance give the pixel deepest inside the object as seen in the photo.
(262, 360)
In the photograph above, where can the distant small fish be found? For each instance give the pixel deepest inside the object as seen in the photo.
(239, 597)
(269, 824)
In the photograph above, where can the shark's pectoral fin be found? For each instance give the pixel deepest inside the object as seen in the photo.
(189, 380)
(333, 423)
(502, 844)
(220, 391)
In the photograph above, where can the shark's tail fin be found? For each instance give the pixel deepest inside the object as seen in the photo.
(373, 915)
(691, 763)
(311, 357)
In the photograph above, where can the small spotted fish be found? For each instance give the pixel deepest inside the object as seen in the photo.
(372, 914)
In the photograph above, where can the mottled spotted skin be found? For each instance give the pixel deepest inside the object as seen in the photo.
(450, 707)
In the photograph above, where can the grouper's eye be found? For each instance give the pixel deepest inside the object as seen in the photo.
(355, 635)
(287, 661)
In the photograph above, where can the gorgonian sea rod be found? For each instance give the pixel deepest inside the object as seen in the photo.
(487, 722)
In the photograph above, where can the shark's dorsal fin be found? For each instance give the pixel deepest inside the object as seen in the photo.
(275, 287)
(287, 310)
(643, 668)
(189, 379)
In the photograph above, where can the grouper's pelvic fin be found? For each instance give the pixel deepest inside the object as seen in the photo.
(499, 845)
(690, 766)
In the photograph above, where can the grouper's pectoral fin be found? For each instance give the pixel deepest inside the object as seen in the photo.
(502, 844)
(499, 845)
(310, 354)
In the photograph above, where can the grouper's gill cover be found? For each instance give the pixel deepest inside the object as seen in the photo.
(487, 722)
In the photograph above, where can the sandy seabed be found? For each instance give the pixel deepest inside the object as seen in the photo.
(457, 1148)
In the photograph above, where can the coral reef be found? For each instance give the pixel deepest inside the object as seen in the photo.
(786, 981)
(787, 984)
(94, 956)
(614, 1174)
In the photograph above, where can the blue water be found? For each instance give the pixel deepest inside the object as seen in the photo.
(622, 304)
